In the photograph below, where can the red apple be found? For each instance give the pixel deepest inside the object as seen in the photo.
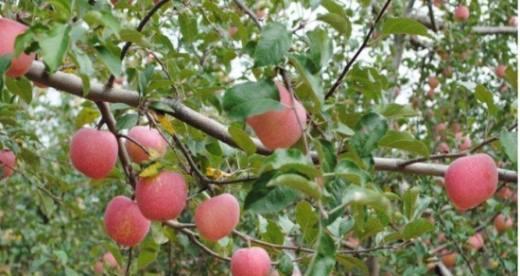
(500, 71)
(7, 163)
(433, 82)
(471, 180)
(161, 197)
(503, 223)
(149, 138)
(124, 222)
(464, 143)
(93, 152)
(232, 31)
(280, 129)
(440, 127)
(506, 194)
(216, 217)
(108, 261)
(449, 259)
(252, 261)
(476, 241)
(513, 21)
(443, 148)
(9, 30)
(461, 13)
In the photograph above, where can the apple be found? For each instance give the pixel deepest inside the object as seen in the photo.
(9, 30)
(161, 197)
(503, 223)
(252, 261)
(124, 222)
(280, 129)
(464, 143)
(513, 21)
(438, 3)
(447, 72)
(476, 241)
(433, 82)
(216, 217)
(500, 71)
(440, 127)
(232, 31)
(7, 163)
(443, 148)
(449, 259)
(461, 13)
(150, 139)
(506, 193)
(108, 260)
(471, 180)
(93, 152)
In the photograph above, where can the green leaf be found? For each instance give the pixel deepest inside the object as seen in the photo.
(404, 26)
(291, 160)
(54, 45)
(409, 200)
(110, 59)
(368, 81)
(320, 48)
(353, 264)
(485, 96)
(363, 196)
(325, 258)
(133, 36)
(396, 111)
(127, 121)
(416, 228)
(273, 233)
(5, 62)
(308, 220)
(351, 172)
(369, 130)
(512, 77)
(273, 45)
(242, 139)
(333, 7)
(340, 23)
(251, 98)
(404, 141)
(509, 141)
(264, 200)
(297, 182)
(148, 253)
(311, 82)
(20, 87)
(105, 18)
(188, 25)
(86, 115)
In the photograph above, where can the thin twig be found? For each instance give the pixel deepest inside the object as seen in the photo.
(457, 246)
(128, 263)
(358, 52)
(432, 16)
(249, 12)
(248, 238)
(434, 157)
(193, 237)
(133, 141)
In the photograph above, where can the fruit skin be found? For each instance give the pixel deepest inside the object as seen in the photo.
(443, 148)
(93, 152)
(500, 71)
(461, 13)
(464, 143)
(161, 197)
(471, 180)
(476, 241)
(9, 30)
(280, 129)
(109, 261)
(216, 217)
(449, 259)
(503, 223)
(150, 138)
(252, 261)
(433, 82)
(124, 222)
(441, 127)
(7, 163)
(513, 21)
(506, 193)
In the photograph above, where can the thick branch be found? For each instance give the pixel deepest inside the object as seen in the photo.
(72, 84)
(481, 30)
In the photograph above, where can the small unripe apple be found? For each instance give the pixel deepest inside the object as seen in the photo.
(447, 72)
(93, 152)
(252, 261)
(124, 222)
(108, 261)
(216, 217)
(506, 193)
(149, 138)
(7, 163)
(513, 21)
(161, 197)
(433, 82)
(449, 259)
(443, 148)
(9, 30)
(465, 143)
(500, 71)
(280, 129)
(476, 241)
(461, 13)
(471, 180)
(503, 223)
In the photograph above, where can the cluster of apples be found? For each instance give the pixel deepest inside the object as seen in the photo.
(159, 198)
(463, 141)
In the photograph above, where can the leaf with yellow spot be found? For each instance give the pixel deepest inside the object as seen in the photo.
(216, 173)
(152, 170)
(166, 124)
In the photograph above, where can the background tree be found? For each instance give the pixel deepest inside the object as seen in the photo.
(402, 86)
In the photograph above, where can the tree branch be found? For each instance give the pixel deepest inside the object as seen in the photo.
(480, 30)
(358, 52)
(249, 12)
(73, 85)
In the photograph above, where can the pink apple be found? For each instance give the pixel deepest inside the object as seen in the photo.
(124, 222)
(252, 261)
(500, 71)
(7, 163)
(216, 217)
(461, 13)
(150, 139)
(9, 30)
